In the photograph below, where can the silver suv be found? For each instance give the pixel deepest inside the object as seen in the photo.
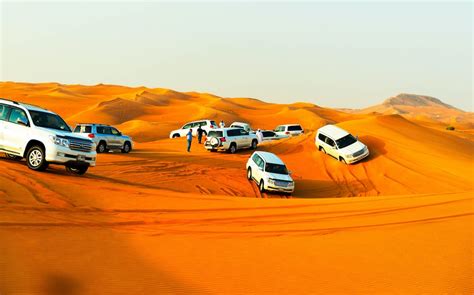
(105, 137)
(230, 139)
(42, 138)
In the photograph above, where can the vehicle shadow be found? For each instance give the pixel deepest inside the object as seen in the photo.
(376, 147)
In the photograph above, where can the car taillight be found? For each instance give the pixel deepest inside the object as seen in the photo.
(212, 126)
(287, 132)
(91, 135)
(222, 139)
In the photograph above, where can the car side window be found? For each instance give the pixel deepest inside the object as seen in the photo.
(280, 128)
(261, 163)
(107, 130)
(77, 129)
(233, 132)
(100, 129)
(255, 158)
(4, 110)
(17, 114)
(330, 142)
(243, 132)
(187, 126)
(115, 131)
(322, 137)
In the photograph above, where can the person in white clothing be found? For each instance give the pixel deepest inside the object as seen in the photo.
(259, 136)
(222, 124)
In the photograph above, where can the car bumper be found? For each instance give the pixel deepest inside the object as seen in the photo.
(62, 155)
(281, 189)
(219, 148)
(358, 158)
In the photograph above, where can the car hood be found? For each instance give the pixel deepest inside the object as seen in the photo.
(355, 147)
(279, 176)
(61, 133)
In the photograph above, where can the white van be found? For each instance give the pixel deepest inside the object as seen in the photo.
(270, 173)
(340, 144)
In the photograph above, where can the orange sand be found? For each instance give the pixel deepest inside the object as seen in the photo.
(161, 221)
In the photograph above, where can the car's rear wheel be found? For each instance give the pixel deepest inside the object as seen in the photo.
(78, 170)
(175, 135)
(249, 173)
(254, 144)
(102, 147)
(342, 160)
(13, 157)
(323, 150)
(261, 186)
(127, 147)
(35, 158)
(233, 148)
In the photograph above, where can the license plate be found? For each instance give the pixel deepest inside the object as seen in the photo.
(81, 158)
(282, 184)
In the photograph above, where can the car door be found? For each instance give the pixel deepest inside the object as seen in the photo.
(4, 111)
(244, 138)
(257, 169)
(15, 131)
(117, 137)
(185, 129)
(332, 148)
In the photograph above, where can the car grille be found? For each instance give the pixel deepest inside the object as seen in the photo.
(80, 145)
(356, 154)
(282, 183)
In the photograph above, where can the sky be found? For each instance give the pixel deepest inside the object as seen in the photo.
(335, 54)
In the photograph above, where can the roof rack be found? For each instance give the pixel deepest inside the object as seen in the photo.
(15, 102)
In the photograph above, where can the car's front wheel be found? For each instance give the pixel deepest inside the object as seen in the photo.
(342, 160)
(249, 173)
(261, 186)
(78, 170)
(127, 147)
(176, 135)
(35, 158)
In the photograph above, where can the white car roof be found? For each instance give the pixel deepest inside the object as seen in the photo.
(289, 125)
(25, 105)
(270, 158)
(239, 123)
(333, 131)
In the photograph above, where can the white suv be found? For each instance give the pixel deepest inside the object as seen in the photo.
(105, 137)
(206, 125)
(270, 173)
(230, 139)
(289, 130)
(43, 138)
(340, 144)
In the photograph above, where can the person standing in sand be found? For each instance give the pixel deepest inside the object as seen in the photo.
(200, 131)
(222, 124)
(259, 136)
(189, 137)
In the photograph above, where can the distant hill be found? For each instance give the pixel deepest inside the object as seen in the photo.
(422, 107)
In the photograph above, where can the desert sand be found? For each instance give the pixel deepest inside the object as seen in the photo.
(160, 220)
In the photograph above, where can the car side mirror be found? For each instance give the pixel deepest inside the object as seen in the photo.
(21, 121)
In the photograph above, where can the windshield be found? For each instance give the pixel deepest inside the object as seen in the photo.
(48, 120)
(215, 134)
(345, 141)
(276, 168)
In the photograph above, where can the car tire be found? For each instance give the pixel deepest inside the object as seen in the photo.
(342, 160)
(36, 158)
(323, 150)
(233, 148)
(101, 147)
(78, 170)
(249, 173)
(13, 157)
(261, 186)
(254, 144)
(127, 147)
(176, 135)
(213, 150)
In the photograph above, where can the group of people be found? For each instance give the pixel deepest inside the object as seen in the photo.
(200, 132)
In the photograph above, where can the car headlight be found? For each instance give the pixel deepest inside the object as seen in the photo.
(271, 181)
(59, 141)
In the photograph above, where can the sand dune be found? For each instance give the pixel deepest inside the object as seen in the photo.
(160, 220)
